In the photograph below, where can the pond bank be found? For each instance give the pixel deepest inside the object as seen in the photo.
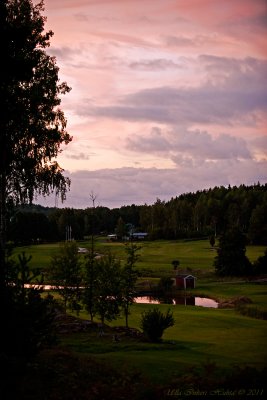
(175, 299)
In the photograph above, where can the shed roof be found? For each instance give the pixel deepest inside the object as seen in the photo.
(185, 276)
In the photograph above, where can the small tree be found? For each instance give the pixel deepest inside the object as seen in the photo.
(129, 278)
(65, 273)
(154, 323)
(175, 264)
(91, 270)
(107, 298)
(121, 229)
(91, 290)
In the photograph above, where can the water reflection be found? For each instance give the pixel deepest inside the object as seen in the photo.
(183, 300)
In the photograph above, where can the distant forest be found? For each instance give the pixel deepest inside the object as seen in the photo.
(205, 213)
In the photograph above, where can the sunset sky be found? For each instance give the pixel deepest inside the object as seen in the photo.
(168, 96)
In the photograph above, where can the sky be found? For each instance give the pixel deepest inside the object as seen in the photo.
(168, 96)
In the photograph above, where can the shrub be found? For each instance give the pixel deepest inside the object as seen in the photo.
(154, 323)
(253, 312)
(27, 317)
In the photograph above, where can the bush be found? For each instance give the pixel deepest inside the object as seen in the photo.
(260, 265)
(154, 323)
(27, 317)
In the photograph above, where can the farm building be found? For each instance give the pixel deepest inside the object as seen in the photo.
(184, 281)
(133, 236)
(139, 235)
(112, 237)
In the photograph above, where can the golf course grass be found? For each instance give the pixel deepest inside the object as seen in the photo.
(199, 336)
(221, 337)
(155, 256)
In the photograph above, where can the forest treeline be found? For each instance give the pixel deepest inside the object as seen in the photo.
(191, 215)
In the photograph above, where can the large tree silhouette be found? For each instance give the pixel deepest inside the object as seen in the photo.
(231, 259)
(32, 125)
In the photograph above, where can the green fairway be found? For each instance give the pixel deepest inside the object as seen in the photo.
(155, 256)
(41, 254)
(199, 336)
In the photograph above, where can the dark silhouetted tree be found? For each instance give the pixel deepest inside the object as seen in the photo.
(258, 224)
(231, 259)
(260, 265)
(32, 125)
(91, 284)
(65, 274)
(129, 278)
(108, 288)
(121, 229)
(175, 264)
(29, 323)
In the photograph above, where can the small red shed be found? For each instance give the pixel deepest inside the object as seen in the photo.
(184, 281)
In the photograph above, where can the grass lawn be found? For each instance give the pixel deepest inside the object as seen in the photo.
(155, 261)
(155, 256)
(199, 336)
(41, 254)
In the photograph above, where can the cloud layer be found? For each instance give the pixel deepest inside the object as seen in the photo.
(166, 98)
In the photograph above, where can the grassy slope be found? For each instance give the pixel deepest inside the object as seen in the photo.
(155, 257)
(199, 335)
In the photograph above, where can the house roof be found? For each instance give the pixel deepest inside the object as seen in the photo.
(185, 276)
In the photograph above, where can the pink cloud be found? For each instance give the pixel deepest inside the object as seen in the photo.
(192, 71)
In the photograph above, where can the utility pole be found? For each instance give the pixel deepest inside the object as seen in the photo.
(68, 233)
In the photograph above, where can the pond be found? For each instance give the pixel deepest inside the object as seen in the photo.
(183, 300)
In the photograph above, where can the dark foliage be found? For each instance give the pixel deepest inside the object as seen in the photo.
(231, 257)
(27, 317)
(32, 125)
(260, 265)
(208, 381)
(27, 327)
(61, 375)
(206, 213)
(154, 323)
(66, 275)
(165, 285)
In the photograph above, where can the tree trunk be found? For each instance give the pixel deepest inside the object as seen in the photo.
(126, 316)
